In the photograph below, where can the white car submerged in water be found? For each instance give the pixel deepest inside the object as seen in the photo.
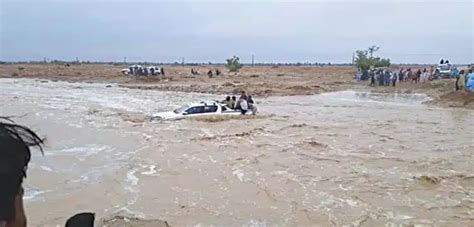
(211, 108)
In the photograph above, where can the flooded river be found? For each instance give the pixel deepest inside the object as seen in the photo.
(346, 158)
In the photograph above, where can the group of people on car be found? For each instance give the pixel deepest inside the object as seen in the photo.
(244, 104)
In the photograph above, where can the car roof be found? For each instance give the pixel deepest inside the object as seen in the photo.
(203, 103)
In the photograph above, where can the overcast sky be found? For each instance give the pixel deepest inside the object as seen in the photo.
(203, 31)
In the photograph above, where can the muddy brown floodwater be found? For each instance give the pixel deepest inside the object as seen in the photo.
(349, 158)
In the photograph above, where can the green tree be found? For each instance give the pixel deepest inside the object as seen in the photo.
(365, 59)
(233, 64)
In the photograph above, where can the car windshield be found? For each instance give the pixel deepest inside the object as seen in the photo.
(181, 109)
(444, 67)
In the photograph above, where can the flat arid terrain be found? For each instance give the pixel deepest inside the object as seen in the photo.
(260, 81)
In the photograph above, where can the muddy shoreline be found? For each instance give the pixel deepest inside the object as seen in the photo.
(262, 81)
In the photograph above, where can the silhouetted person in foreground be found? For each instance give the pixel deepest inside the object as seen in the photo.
(15, 143)
(81, 220)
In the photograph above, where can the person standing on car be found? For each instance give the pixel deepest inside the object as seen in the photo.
(244, 107)
(243, 95)
(252, 105)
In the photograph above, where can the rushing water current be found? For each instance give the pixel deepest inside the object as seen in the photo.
(345, 158)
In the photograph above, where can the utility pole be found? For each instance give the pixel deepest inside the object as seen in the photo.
(124, 60)
(253, 60)
(182, 61)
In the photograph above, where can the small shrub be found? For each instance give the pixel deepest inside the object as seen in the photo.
(233, 64)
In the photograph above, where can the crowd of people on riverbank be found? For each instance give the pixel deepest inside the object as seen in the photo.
(244, 104)
(386, 77)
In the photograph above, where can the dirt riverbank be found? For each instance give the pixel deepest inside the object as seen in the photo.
(442, 92)
(262, 81)
(259, 81)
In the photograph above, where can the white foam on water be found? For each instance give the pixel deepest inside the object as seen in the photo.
(132, 179)
(45, 168)
(151, 172)
(32, 195)
(239, 174)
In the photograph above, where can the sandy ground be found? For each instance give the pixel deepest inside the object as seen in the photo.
(261, 81)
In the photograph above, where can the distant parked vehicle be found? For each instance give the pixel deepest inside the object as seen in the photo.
(139, 70)
(444, 70)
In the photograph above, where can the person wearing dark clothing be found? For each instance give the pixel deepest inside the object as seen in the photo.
(209, 74)
(400, 75)
(380, 78)
(418, 76)
(409, 75)
(243, 95)
(250, 100)
(372, 79)
(234, 102)
(135, 70)
(457, 81)
(162, 71)
(218, 73)
(394, 79)
(441, 62)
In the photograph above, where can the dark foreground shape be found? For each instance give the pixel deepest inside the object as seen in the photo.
(81, 220)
